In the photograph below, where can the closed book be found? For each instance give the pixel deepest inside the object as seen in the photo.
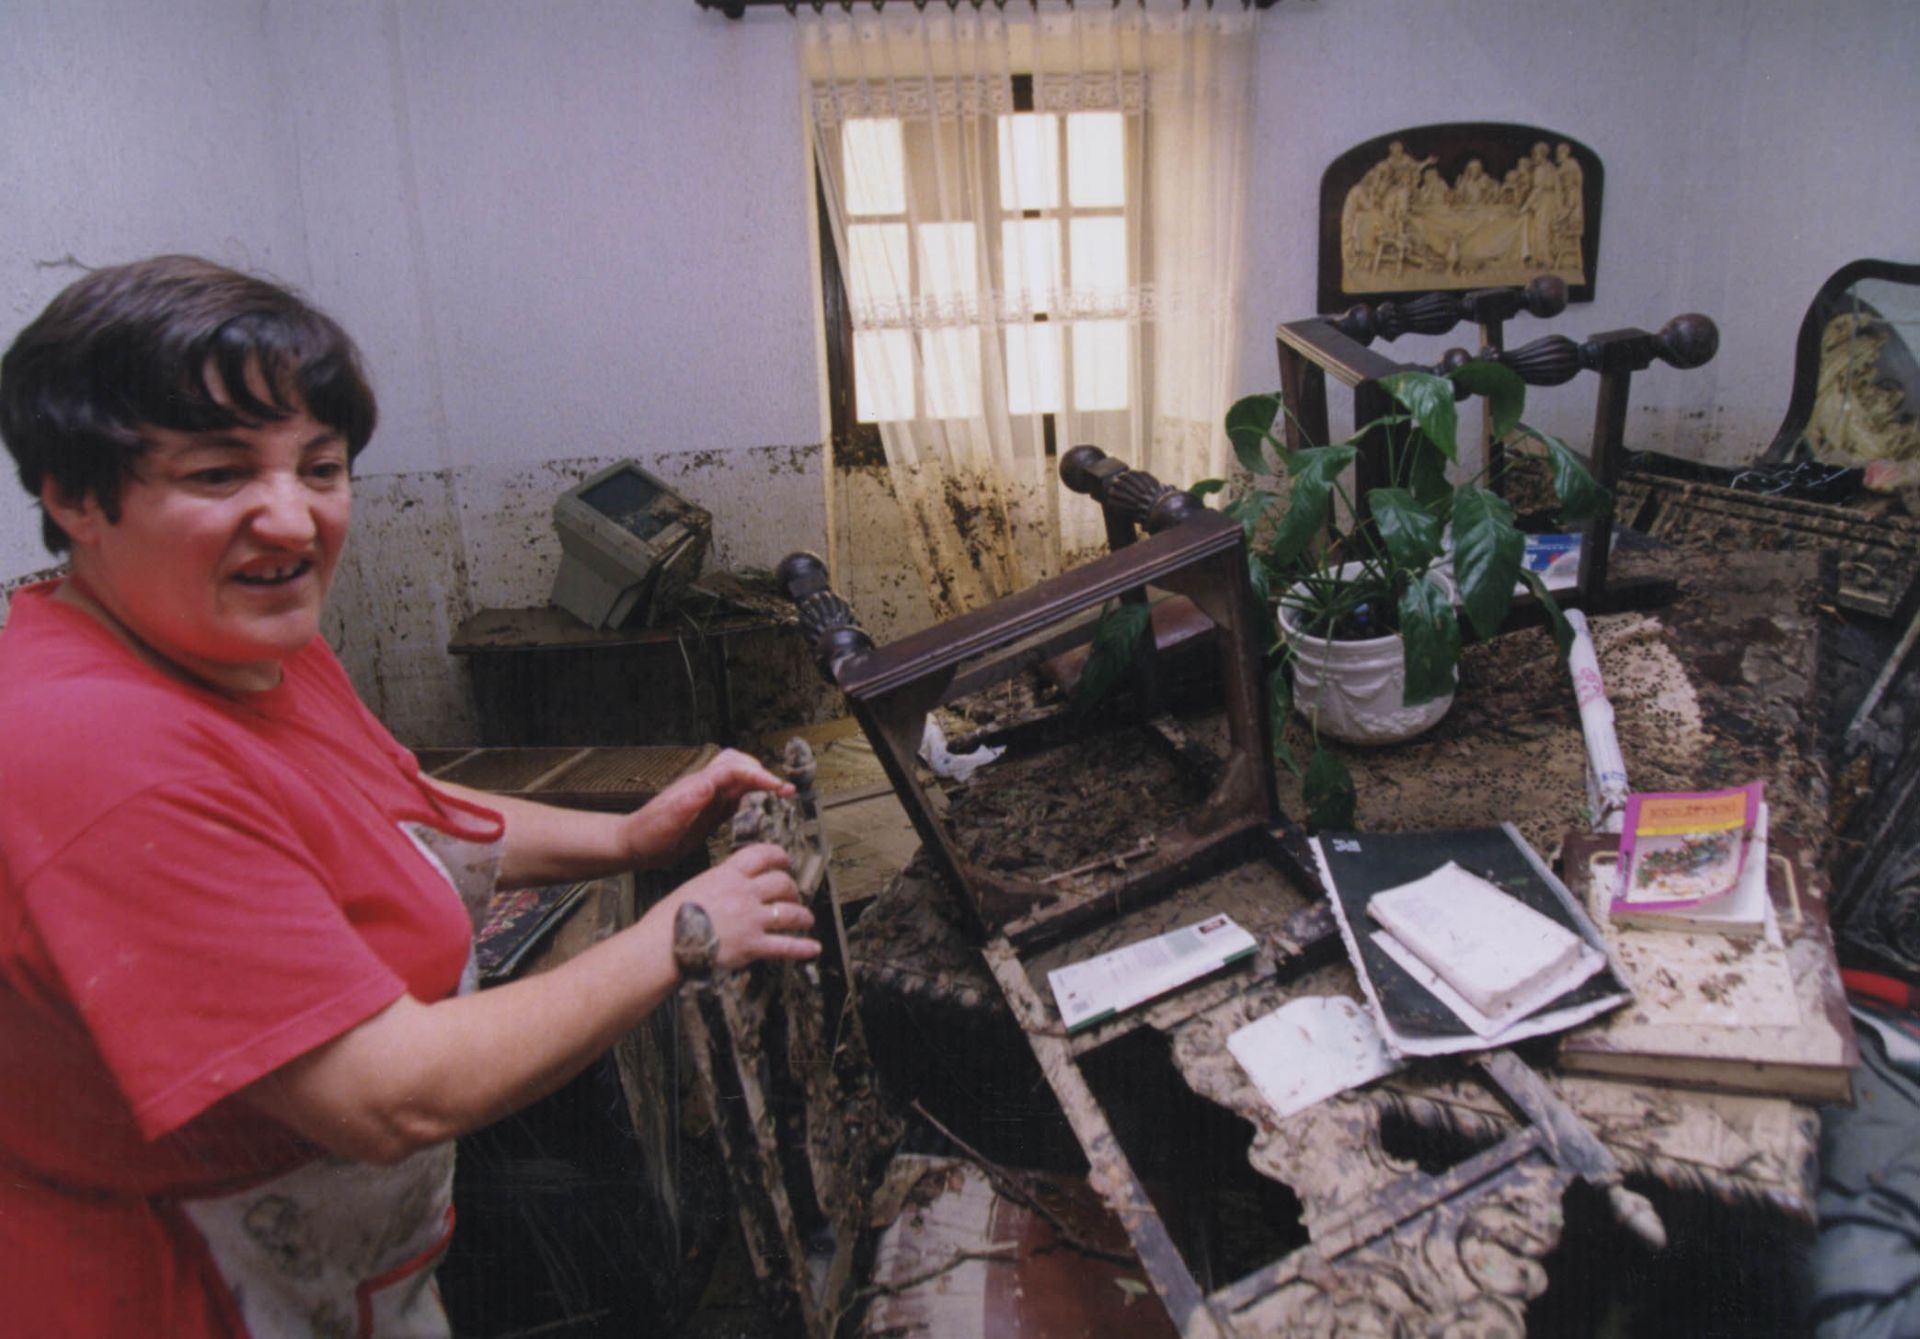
(1743, 912)
(1709, 1011)
(1684, 848)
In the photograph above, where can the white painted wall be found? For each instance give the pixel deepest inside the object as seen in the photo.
(1750, 148)
(571, 231)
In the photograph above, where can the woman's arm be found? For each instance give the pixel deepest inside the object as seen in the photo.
(546, 844)
(416, 1074)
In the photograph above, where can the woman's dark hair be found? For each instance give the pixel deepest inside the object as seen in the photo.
(148, 345)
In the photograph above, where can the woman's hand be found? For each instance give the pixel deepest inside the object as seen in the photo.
(676, 822)
(753, 905)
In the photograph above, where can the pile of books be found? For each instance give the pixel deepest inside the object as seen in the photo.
(1716, 1004)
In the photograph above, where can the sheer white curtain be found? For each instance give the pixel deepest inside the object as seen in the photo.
(1039, 216)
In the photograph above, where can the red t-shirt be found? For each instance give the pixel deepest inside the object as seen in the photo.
(193, 891)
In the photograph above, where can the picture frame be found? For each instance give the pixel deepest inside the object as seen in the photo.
(1458, 206)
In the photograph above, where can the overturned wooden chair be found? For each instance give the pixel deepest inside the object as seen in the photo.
(1319, 347)
(843, 1231)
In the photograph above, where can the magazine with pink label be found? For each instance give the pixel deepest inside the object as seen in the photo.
(1684, 848)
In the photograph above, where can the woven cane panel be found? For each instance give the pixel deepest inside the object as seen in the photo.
(505, 769)
(647, 768)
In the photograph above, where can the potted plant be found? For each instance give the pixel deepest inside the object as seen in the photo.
(1389, 583)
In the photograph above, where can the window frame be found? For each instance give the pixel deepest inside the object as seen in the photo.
(855, 444)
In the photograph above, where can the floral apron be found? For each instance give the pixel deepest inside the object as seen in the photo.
(343, 1250)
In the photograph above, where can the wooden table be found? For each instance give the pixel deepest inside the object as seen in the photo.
(1716, 690)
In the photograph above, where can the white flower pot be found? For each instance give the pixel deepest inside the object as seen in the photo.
(1356, 690)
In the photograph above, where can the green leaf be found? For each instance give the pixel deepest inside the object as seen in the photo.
(1115, 638)
(1279, 703)
(1249, 425)
(1431, 634)
(1260, 577)
(1309, 502)
(1207, 487)
(1487, 552)
(1506, 393)
(1327, 788)
(1411, 531)
(1427, 478)
(1248, 508)
(1557, 625)
(1581, 497)
(1430, 400)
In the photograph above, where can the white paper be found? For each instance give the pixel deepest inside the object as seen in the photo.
(952, 766)
(1309, 1049)
(1088, 991)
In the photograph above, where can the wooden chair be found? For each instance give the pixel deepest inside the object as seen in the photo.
(1338, 346)
(835, 1220)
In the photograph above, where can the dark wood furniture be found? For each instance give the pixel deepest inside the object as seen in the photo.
(1319, 347)
(541, 677)
(588, 1211)
(953, 1247)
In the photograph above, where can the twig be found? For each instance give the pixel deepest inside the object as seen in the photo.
(1147, 846)
(872, 1290)
(1012, 1186)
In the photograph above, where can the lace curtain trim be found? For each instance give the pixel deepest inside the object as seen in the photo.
(999, 309)
(927, 99)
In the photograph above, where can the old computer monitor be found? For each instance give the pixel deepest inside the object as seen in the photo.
(629, 545)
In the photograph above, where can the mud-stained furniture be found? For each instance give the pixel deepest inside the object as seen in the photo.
(1842, 473)
(1318, 1228)
(841, 1227)
(1719, 688)
(542, 678)
(585, 1204)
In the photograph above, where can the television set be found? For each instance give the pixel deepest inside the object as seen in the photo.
(629, 547)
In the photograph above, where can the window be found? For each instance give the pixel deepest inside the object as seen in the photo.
(928, 308)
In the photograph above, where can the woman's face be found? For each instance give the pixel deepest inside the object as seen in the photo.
(225, 547)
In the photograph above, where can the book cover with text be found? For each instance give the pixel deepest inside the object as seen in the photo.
(1683, 848)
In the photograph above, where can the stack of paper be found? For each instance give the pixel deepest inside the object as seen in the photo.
(1486, 955)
